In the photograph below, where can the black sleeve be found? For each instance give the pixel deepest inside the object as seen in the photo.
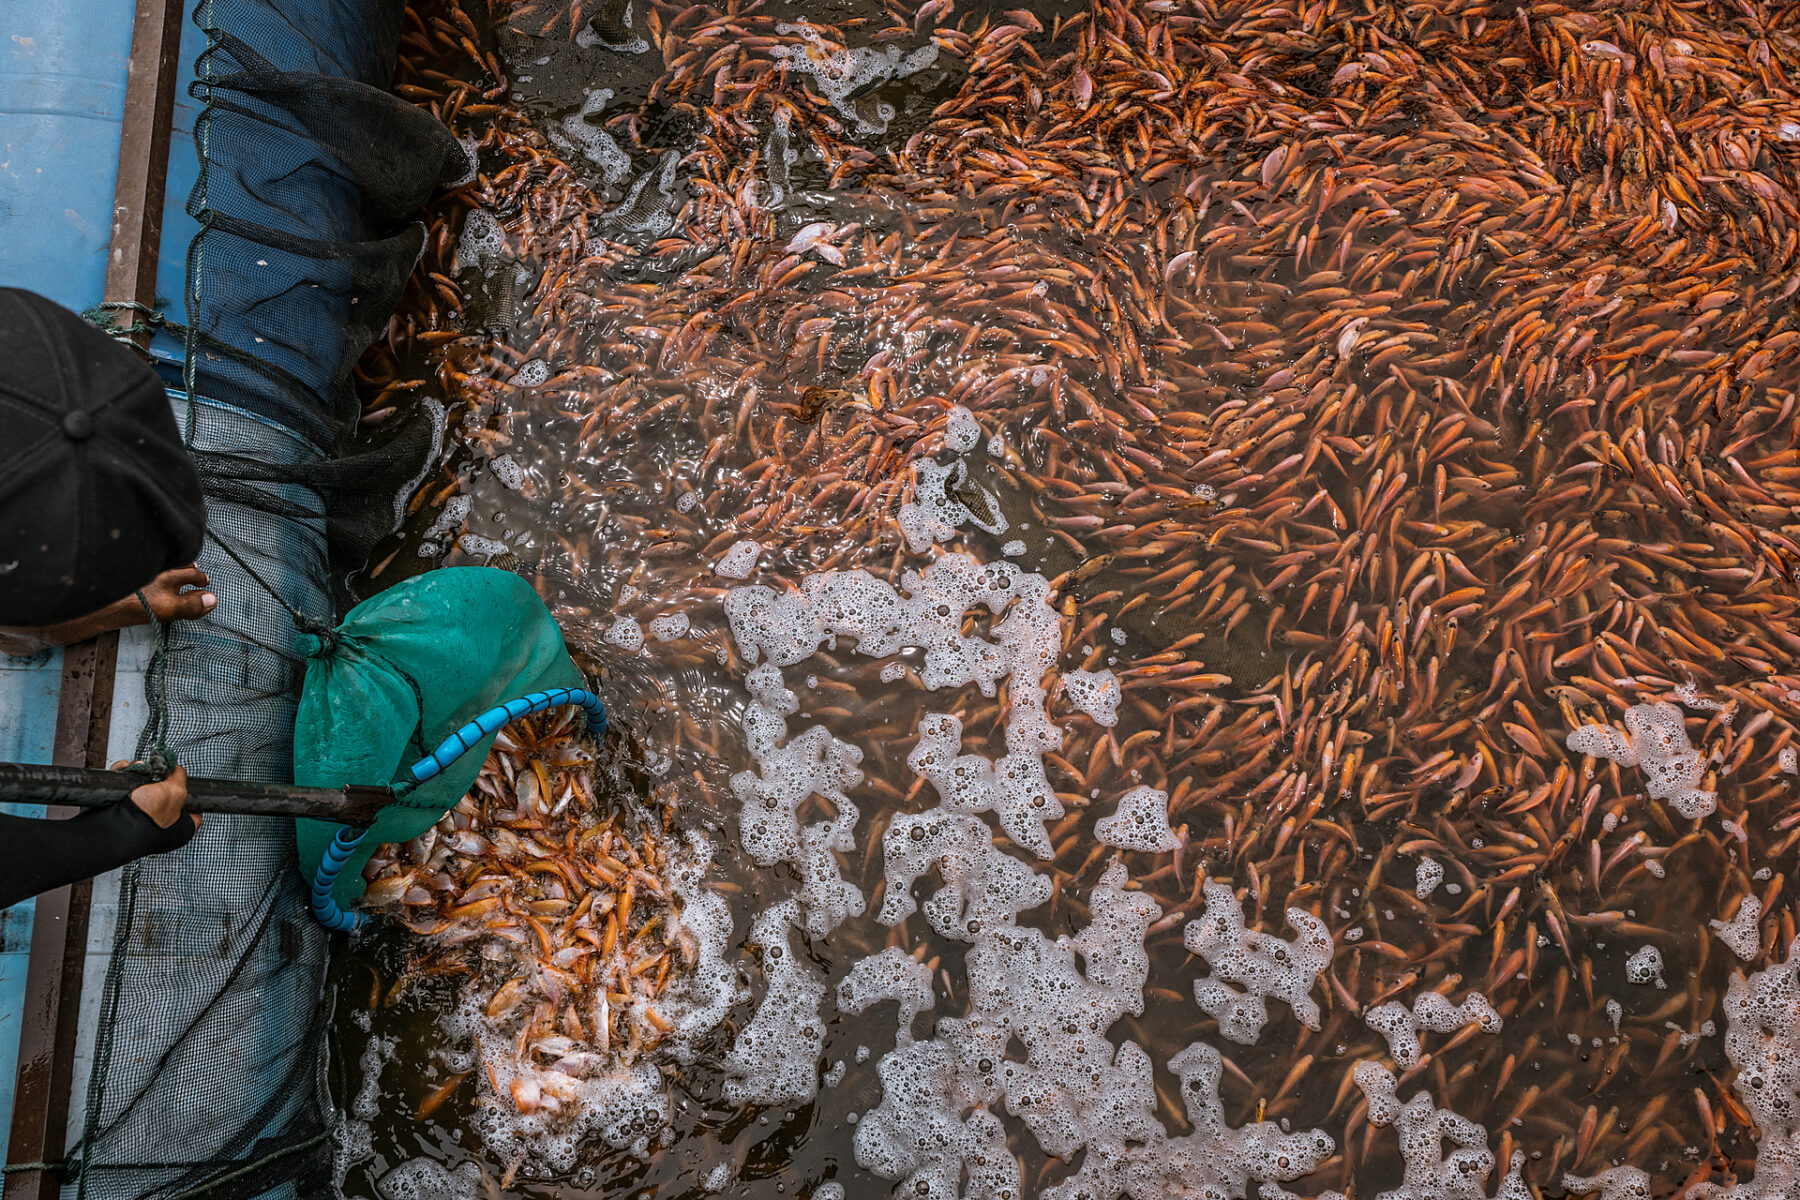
(37, 855)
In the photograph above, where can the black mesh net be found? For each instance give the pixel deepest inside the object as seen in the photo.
(208, 1067)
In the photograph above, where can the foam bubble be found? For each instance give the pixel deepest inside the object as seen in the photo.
(575, 133)
(933, 515)
(481, 238)
(626, 634)
(842, 74)
(1741, 933)
(1140, 823)
(776, 1056)
(1013, 548)
(740, 560)
(1789, 760)
(961, 430)
(509, 473)
(426, 1179)
(1427, 876)
(1261, 964)
(893, 975)
(1656, 740)
(534, 373)
(1095, 693)
(1424, 1129)
(1402, 1026)
(831, 1190)
(1762, 1013)
(668, 628)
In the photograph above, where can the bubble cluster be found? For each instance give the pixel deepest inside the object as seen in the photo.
(739, 561)
(1402, 1026)
(670, 627)
(776, 1056)
(1424, 1129)
(961, 430)
(841, 74)
(1645, 966)
(1262, 965)
(1742, 933)
(626, 634)
(1095, 693)
(1656, 740)
(1140, 823)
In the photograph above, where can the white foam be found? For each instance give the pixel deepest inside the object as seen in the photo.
(509, 473)
(481, 238)
(842, 73)
(534, 373)
(687, 502)
(776, 1056)
(670, 627)
(893, 671)
(427, 1179)
(893, 975)
(961, 430)
(1141, 822)
(1741, 933)
(719, 1178)
(1426, 877)
(1656, 740)
(486, 547)
(1262, 965)
(1095, 693)
(740, 560)
(1430, 1174)
(1013, 548)
(626, 634)
(831, 1190)
(933, 515)
(1789, 760)
(1402, 1027)
(697, 1003)
(576, 134)
(1762, 1040)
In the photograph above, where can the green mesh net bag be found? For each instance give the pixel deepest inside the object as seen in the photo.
(403, 671)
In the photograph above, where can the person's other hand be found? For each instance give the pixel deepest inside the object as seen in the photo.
(164, 799)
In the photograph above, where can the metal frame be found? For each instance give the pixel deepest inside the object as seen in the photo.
(84, 708)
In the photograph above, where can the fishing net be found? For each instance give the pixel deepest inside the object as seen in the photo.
(426, 655)
(208, 1072)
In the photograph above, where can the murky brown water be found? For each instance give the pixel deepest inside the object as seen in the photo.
(1386, 391)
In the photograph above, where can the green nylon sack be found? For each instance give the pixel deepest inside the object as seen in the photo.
(400, 674)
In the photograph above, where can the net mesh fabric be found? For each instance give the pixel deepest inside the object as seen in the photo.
(208, 1076)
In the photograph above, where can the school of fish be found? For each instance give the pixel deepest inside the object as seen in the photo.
(1388, 390)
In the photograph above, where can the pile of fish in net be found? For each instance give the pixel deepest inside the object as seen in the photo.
(1322, 475)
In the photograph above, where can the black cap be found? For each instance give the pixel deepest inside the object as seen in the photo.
(98, 495)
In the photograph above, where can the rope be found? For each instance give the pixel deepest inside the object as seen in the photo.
(102, 316)
(322, 630)
(154, 756)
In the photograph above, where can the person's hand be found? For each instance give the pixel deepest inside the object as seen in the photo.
(163, 800)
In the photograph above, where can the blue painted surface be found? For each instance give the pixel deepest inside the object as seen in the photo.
(62, 93)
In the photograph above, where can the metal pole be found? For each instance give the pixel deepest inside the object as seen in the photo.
(30, 783)
(84, 709)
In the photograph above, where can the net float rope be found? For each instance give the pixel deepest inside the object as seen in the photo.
(326, 910)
